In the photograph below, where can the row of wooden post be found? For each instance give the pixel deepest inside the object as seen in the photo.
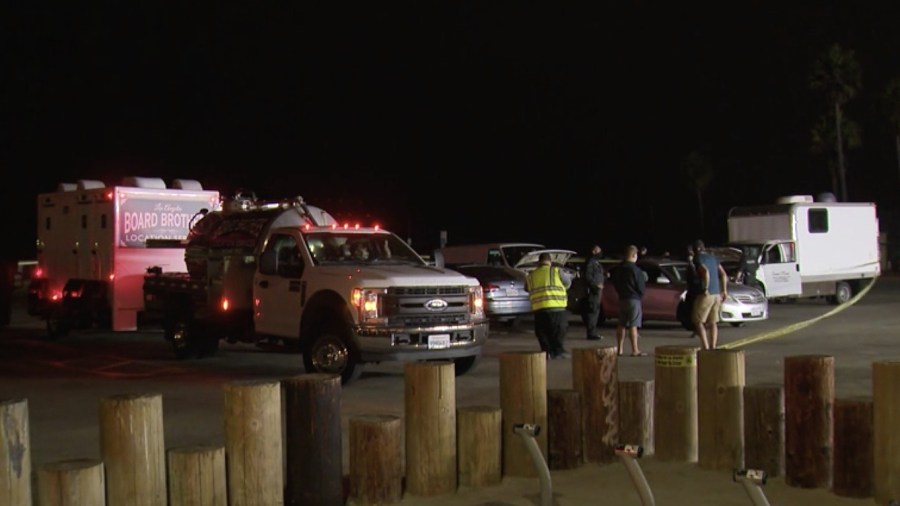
(799, 431)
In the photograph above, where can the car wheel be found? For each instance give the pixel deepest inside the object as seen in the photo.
(329, 353)
(842, 293)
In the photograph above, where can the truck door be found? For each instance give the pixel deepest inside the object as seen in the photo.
(278, 287)
(778, 269)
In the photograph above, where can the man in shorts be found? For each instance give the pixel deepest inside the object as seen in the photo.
(713, 281)
(629, 281)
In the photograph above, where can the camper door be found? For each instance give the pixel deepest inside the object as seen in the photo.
(778, 269)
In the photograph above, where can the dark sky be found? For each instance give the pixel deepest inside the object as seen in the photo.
(551, 123)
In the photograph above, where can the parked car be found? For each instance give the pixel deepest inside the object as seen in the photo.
(666, 289)
(505, 297)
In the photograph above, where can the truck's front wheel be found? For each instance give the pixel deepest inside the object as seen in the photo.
(465, 364)
(330, 354)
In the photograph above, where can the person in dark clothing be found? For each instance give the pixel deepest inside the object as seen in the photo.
(628, 279)
(594, 278)
(694, 288)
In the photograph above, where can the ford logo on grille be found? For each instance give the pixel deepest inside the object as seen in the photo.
(436, 305)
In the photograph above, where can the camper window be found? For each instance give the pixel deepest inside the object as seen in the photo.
(818, 221)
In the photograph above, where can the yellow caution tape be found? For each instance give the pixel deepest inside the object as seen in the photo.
(772, 334)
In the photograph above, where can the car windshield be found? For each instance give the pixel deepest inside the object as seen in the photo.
(359, 248)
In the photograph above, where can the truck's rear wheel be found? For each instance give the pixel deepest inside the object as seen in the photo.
(58, 327)
(185, 344)
(842, 293)
(330, 354)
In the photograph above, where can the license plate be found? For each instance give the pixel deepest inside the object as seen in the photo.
(512, 292)
(438, 341)
(755, 313)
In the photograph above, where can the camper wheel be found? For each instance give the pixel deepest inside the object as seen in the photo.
(842, 293)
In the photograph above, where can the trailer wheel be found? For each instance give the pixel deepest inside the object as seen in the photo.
(181, 333)
(57, 327)
(842, 293)
(329, 353)
(465, 364)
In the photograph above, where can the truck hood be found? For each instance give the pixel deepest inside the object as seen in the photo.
(397, 275)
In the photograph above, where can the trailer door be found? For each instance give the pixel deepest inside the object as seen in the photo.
(778, 269)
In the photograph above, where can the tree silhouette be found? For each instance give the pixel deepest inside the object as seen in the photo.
(822, 144)
(698, 171)
(892, 107)
(836, 74)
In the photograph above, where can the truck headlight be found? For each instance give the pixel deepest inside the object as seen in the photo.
(476, 301)
(367, 302)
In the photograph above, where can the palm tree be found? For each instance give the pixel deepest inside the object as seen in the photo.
(892, 104)
(836, 74)
(822, 138)
(698, 171)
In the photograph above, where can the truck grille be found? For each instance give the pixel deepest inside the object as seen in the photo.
(416, 307)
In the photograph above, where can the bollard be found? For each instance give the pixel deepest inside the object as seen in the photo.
(523, 398)
(478, 445)
(529, 433)
(376, 475)
(809, 424)
(565, 443)
(430, 407)
(15, 452)
(854, 455)
(253, 443)
(675, 403)
(636, 414)
(595, 377)
(720, 403)
(886, 419)
(764, 428)
(133, 450)
(312, 404)
(77, 482)
(197, 476)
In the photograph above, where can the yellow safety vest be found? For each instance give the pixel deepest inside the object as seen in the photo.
(546, 289)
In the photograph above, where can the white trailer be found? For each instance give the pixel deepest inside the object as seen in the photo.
(92, 245)
(802, 248)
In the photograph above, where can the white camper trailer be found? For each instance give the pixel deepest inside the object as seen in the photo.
(799, 247)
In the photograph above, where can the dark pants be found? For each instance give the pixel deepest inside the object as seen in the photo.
(550, 327)
(590, 313)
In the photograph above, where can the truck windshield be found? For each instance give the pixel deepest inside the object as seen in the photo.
(355, 247)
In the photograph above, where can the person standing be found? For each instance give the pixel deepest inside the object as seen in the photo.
(547, 285)
(594, 278)
(713, 281)
(628, 279)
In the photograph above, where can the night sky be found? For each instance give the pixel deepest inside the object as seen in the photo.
(551, 123)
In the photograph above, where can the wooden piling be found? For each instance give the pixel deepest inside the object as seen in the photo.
(886, 420)
(636, 414)
(376, 465)
(253, 443)
(78, 482)
(764, 428)
(675, 403)
(809, 424)
(523, 399)
(15, 452)
(197, 476)
(132, 445)
(854, 455)
(595, 376)
(565, 443)
(480, 456)
(430, 407)
(314, 452)
(720, 409)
